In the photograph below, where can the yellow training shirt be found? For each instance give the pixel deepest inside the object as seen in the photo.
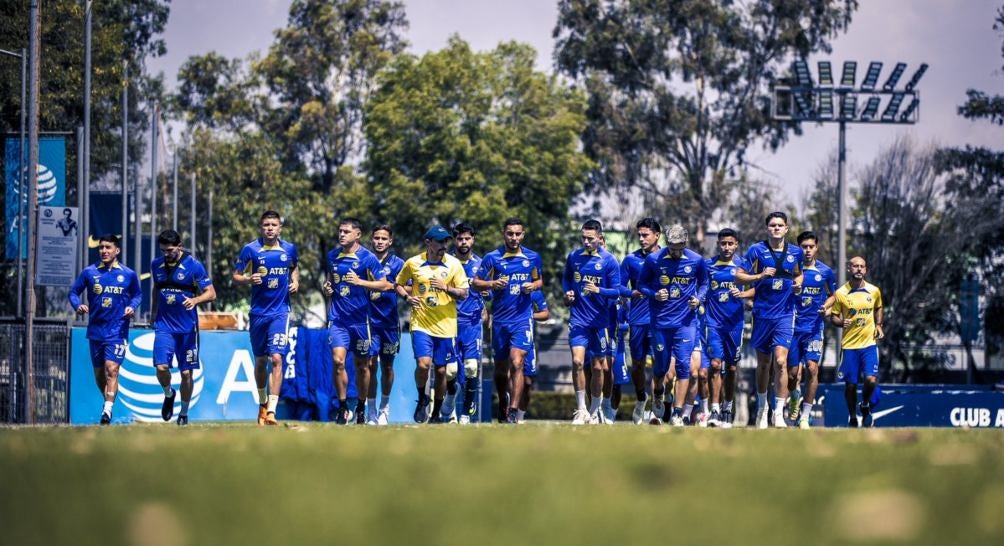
(859, 305)
(437, 316)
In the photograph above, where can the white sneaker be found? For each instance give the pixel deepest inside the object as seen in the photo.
(676, 421)
(702, 420)
(638, 415)
(580, 417)
(659, 407)
(803, 422)
(609, 416)
(465, 419)
(596, 418)
(779, 419)
(761, 419)
(371, 420)
(383, 417)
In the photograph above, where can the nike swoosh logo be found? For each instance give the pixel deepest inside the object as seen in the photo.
(880, 414)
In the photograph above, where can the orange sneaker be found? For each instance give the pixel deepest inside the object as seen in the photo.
(262, 415)
(270, 419)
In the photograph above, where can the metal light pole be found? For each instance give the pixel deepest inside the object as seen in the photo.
(84, 188)
(154, 142)
(125, 152)
(20, 177)
(34, 44)
(174, 187)
(193, 212)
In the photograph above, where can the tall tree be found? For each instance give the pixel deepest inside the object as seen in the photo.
(475, 136)
(679, 89)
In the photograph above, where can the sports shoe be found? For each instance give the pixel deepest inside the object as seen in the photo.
(761, 418)
(726, 420)
(449, 412)
(638, 415)
(702, 420)
(581, 417)
(341, 415)
(853, 421)
(464, 419)
(383, 417)
(867, 421)
(803, 422)
(422, 409)
(715, 420)
(262, 413)
(596, 418)
(167, 409)
(106, 418)
(779, 419)
(371, 419)
(182, 420)
(470, 402)
(677, 421)
(659, 408)
(510, 417)
(452, 418)
(609, 416)
(270, 419)
(794, 405)
(360, 412)
(655, 421)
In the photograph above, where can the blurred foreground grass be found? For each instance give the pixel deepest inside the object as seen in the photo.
(491, 484)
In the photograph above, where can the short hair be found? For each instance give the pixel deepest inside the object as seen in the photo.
(650, 223)
(464, 227)
(383, 227)
(728, 232)
(270, 214)
(776, 214)
(513, 221)
(68, 209)
(111, 238)
(593, 225)
(169, 237)
(352, 221)
(806, 235)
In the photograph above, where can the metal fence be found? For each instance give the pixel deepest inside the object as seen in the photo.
(51, 345)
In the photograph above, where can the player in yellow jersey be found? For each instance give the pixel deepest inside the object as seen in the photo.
(858, 310)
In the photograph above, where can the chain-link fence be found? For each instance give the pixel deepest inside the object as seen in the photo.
(51, 347)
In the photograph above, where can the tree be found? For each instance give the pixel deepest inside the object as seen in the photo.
(458, 135)
(679, 89)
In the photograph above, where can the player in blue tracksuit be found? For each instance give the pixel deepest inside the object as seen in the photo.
(470, 313)
(352, 273)
(774, 268)
(385, 329)
(590, 280)
(819, 287)
(540, 314)
(511, 272)
(269, 265)
(639, 314)
(676, 280)
(113, 295)
(180, 283)
(725, 319)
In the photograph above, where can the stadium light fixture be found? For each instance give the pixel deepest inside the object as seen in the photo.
(897, 71)
(889, 115)
(826, 104)
(905, 116)
(872, 75)
(849, 107)
(916, 77)
(802, 74)
(849, 77)
(825, 73)
(871, 108)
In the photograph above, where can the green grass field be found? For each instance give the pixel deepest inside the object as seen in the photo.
(489, 484)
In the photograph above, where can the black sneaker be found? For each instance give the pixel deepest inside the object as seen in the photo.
(510, 417)
(342, 417)
(106, 418)
(360, 412)
(867, 421)
(853, 421)
(167, 409)
(422, 409)
(182, 420)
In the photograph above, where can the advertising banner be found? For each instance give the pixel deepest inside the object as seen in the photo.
(972, 406)
(51, 185)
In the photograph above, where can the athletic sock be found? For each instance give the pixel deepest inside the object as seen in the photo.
(780, 403)
(184, 407)
(371, 407)
(168, 391)
(107, 407)
(704, 406)
(761, 402)
(262, 396)
(520, 415)
(715, 408)
(688, 409)
(450, 401)
(273, 401)
(594, 404)
(641, 395)
(806, 408)
(580, 399)
(384, 402)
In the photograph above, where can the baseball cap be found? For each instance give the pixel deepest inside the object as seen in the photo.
(438, 233)
(677, 234)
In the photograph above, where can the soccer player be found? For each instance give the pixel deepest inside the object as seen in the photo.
(113, 295)
(269, 265)
(676, 281)
(470, 315)
(435, 281)
(512, 272)
(180, 283)
(774, 268)
(619, 375)
(725, 318)
(352, 273)
(639, 314)
(540, 314)
(385, 329)
(818, 293)
(591, 278)
(858, 310)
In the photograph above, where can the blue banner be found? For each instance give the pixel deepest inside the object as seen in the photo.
(225, 386)
(972, 406)
(51, 185)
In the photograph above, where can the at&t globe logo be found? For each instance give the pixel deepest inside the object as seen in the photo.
(138, 387)
(47, 184)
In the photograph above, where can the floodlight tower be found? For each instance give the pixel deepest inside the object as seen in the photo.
(819, 102)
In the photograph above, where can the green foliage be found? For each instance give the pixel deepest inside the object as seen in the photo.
(679, 89)
(459, 135)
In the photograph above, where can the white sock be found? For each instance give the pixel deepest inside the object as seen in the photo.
(594, 404)
(704, 406)
(779, 403)
(273, 401)
(384, 402)
(687, 410)
(184, 406)
(262, 396)
(580, 399)
(716, 408)
(761, 402)
(520, 415)
(727, 406)
(806, 408)
(168, 391)
(371, 407)
(107, 407)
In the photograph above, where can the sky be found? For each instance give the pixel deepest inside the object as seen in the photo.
(955, 37)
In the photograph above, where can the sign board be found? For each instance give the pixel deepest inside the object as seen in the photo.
(56, 252)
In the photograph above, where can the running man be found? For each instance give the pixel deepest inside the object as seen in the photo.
(639, 314)
(180, 283)
(113, 295)
(352, 273)
(432, 282)
(592, 277)
(470, 316)
(818, 293)
(269, 265)
(512, 272)
(540, 314)
(774, 268)
(385, 328)
(676, 281)
(858, 310)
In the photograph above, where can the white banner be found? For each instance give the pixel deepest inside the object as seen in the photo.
(58, 231)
